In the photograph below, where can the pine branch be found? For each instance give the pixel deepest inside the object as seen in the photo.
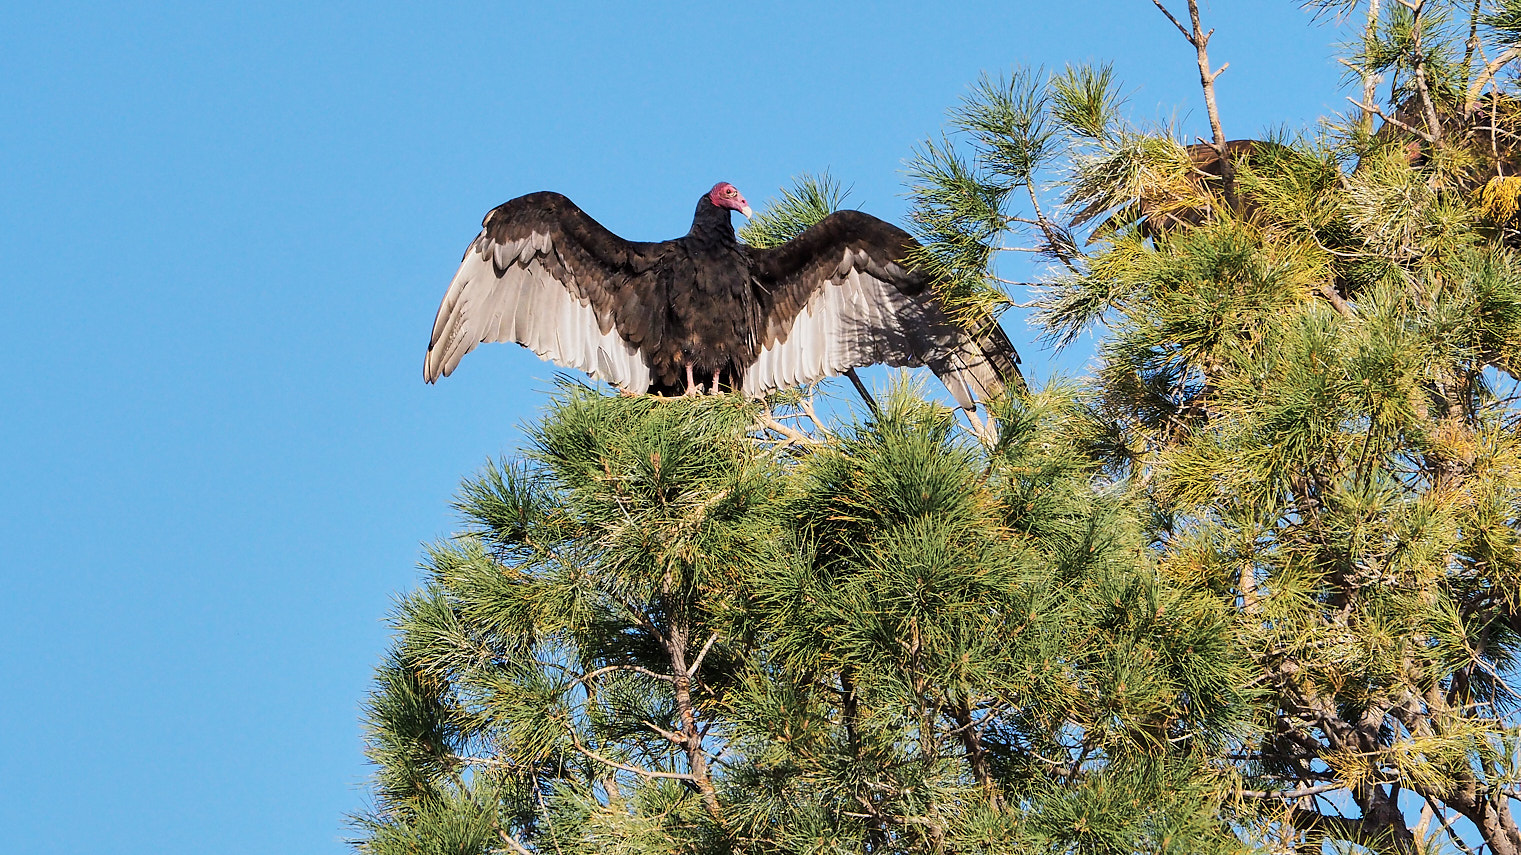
(793, 436)
(1342, 307)
(513, 842)
(1447, 822)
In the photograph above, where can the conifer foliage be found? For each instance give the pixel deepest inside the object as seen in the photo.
(668, 631)
(1253, 585)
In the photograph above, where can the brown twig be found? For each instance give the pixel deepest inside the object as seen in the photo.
(1050, 232)
(513, 842)
(1473, 38)
(1447, 827)
(1344, 308)
(637, 668)
(1175, 23)
(807, 406)
(671, 735)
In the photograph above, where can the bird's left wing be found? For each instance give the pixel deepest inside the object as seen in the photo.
(840, 296)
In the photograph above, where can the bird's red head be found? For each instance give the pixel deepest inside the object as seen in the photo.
(724, 195)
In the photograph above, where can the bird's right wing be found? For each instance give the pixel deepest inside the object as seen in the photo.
(841, 295)
(547, 276)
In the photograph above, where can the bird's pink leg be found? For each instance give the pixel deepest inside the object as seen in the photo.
(691, 383)
(715, 382)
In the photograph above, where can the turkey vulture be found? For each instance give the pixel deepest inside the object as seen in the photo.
(674, 316)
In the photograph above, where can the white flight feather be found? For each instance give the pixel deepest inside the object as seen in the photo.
(529, 306)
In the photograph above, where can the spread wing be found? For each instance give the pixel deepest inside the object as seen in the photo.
(838, 296)
(547, 276)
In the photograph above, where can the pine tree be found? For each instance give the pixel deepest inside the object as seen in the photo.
(669, 629)
(1308, 368)
(1255, 584)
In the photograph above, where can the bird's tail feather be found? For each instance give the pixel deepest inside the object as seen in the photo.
(980, 365)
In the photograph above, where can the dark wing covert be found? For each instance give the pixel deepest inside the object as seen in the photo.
(547, 276)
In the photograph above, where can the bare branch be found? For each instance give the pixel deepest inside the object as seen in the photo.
(641, 772)
(807, 405)
(1473, 44)
(671, 735)
(703, 654)
(488, 762)
(1247, 583)
(1447, 826)
(1207, 78)
(1344, 308)
(1373, 108)
(513, 842)
(1293, 794)
(793, 436)
(638, 668)
(1050, 232)
(644, 621)
(1370, 79)
(1433, 123)
(1197, 37)
(1175, 23)
(1488, 74)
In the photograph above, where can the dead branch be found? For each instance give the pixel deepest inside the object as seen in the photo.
(1488, 74)
(513, 842)
(1292, 794)
(807, 406)
(637, 770)
(703, 654)
(1370, 80)
(1374, 108)
(793, 436)
(637, 668)
(1343, 308)
(1197, 37)
(1433, 123)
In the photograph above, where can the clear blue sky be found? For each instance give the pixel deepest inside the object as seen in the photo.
(224, 230)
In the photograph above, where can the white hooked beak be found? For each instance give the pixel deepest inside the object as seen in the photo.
(746, 211)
